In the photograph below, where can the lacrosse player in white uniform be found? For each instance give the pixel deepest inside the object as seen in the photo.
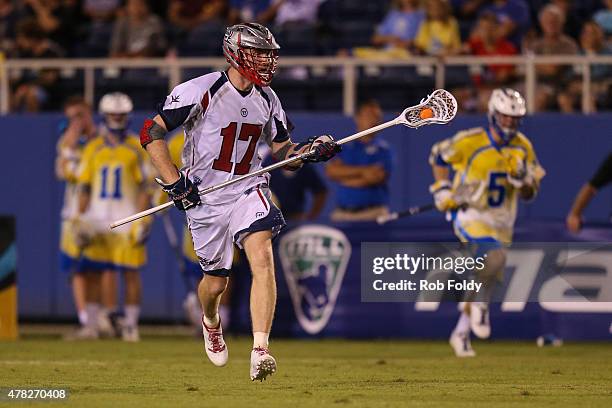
(226, 116)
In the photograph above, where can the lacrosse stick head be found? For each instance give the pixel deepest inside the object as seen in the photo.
(438, 108)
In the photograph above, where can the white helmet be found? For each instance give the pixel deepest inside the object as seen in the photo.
(116, 107)
(508, 102)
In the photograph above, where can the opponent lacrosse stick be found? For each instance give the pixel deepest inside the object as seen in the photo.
(383, 219)
(464, 195)
(438, 108)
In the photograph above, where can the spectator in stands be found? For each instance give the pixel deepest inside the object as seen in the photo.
(139, 33)
(552, 77)
(513, 17)
(9, 17)
(259, 11)
(573, 21)
(59, 19)
(483, 41)
(187, 14)
(439, 33)
(604, 17)
(101, 10)
(467, 9)
(36, 89)
(291, 189)
(362, 171)
(400, 26)
(296, 12)
(592, 42)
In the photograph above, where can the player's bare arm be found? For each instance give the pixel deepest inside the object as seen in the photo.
(84, 197)
(178, 185)
(441, 188)
(584, 197)
(159, 153)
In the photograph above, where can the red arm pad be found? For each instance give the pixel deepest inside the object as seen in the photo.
(151, 131)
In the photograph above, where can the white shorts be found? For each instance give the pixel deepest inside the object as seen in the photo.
(215, 228)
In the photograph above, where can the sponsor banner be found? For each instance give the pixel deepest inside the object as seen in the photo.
(561, 289)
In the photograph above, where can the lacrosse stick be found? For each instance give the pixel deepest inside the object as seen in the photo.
(464, 195)
(383, 219)
(438, 108)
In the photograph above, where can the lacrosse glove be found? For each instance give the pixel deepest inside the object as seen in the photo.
(322, 148)
(183, 192)
(443, 195)
(518, 175)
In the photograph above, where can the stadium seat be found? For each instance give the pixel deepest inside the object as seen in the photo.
(203, 41)
(297, 39)
(97, 44)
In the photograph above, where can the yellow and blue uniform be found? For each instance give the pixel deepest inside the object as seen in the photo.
(481, 167)
(116, 175)
(67, 170)
(192, 265)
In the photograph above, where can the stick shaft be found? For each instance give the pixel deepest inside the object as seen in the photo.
(141, 214)
(271, 167)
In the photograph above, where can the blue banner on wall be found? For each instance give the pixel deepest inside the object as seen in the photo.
(29, 153)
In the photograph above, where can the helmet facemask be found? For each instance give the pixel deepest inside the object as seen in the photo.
(257, 65)
(117, 123)
(505, 126)
(251, 49)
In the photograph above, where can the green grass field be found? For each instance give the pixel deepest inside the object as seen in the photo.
(173, 371)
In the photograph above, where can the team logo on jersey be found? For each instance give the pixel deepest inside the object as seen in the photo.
(174, 99)
(314, 260)
(244, 112)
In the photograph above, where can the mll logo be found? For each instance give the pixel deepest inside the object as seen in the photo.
(314, 260)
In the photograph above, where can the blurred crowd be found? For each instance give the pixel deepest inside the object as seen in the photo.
(368, 29)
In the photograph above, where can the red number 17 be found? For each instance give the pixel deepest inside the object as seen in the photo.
(224, 161)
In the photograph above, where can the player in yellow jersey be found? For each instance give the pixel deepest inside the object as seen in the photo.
(113, 178)
(493, 167)
(78, 130)
(192, 270)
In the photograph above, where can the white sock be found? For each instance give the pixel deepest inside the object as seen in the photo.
(92, 310)
(463, 324)
(132, 312)
(211, 323)
(260, 339)
(224, 315)
(83, 317)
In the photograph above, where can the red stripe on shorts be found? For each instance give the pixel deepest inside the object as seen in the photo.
(263, 200)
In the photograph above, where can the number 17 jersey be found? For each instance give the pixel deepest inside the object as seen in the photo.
(224, 128)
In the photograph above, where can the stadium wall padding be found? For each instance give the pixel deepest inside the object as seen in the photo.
(569, 147)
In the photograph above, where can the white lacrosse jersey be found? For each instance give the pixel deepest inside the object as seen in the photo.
(224, 130)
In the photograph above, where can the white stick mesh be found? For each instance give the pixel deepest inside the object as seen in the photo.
(441, 102)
